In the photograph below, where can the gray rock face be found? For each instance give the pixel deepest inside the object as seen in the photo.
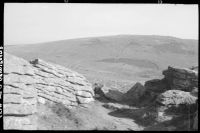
(181, 78)
(113, 94)
(26, 84)
(152, 89)
(102, 91)
(176, 102)
(135, 93)
(156, 85)
(174, 98)
(98, 90)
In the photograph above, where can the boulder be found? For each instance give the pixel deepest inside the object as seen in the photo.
(156, 86)
(150, 90)
(176, 97)
(175, 103)
(134, 94)
(114, 94)
(98, 90)
(181, 78)
(173, 99)
(28, 84)
(102, 91)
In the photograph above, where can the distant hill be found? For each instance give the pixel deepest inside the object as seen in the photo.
(120, 57)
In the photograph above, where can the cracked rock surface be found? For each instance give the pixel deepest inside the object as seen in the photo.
(181, 78)
(26, 84)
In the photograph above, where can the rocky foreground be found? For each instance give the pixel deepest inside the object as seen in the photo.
(26, 84)
(169, 104)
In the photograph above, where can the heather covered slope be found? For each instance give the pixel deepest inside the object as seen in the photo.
(114, 59)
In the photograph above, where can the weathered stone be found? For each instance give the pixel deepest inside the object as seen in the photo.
(12, 98)
(82, 100)
(174, 103)
(107, 92)
(41, 100)
(98, 92)
(26, 85)
(19, 109)
(181, 78)
(114, 95)
(19, 123)
(182, 83)
(134, 94)
(156, 85)
(84, 94)
(176, 97)
(19, 99)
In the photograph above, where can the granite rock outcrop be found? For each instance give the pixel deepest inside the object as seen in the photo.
(28, 83)
(181, 78)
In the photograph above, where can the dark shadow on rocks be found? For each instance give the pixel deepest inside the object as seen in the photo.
(145, 95)
(178, 123)
(182, 109)
(104, 99)
(143, 117)
(138, 95)
(181, 117)
(106, 95)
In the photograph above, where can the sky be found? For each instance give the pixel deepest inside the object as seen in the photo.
(29, 23)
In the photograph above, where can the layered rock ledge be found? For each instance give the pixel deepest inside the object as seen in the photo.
(169, 104)
(28, 83)
(181, 78)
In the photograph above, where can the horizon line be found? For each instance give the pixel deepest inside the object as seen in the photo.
(86, 37)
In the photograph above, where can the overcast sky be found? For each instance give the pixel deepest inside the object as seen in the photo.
(26, 23)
